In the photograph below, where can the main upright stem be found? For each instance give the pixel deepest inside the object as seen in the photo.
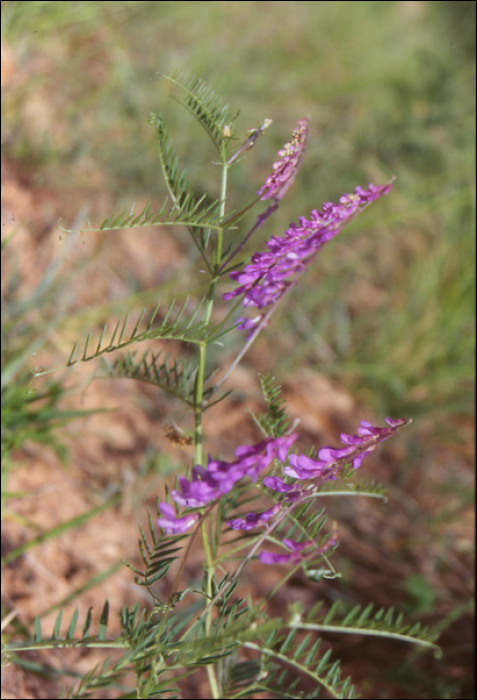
(200, 377)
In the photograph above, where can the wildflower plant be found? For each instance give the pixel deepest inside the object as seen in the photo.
(264, 503)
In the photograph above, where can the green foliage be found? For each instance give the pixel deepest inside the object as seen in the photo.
(349, 484)
(32, 404)
(189, 213)
(176, 182)
(305, 523)
(300, 655)
(361, 620)
(176, 376)
(183, 198)
(207, 107)
(29, 414)
(192, 330)
(284, 656)
(157, 553)
(274, 421)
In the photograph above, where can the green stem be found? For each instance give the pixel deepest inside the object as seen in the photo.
(198, 403)
(199, 382)
(218, 247)
(198, 412)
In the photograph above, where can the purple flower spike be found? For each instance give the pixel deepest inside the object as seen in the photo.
(285, 169)
(171, 524)
(254, 519)
(271, 273)
(332, 459)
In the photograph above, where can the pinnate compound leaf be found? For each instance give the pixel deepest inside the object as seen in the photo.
(174, 375)
(361, 620)
(274, 421)
(207, 107)
(184, 199)
(300, 657)
(173, 327)
(191, 212)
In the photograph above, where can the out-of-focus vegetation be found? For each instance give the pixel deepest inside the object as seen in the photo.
(388, 308)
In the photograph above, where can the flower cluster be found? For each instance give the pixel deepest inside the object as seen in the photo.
(218, 478)
(285, 169)
(211, 483)
(330, 461)
(269, 274)
(355, 449)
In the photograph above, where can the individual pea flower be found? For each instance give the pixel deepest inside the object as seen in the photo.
(285, 169)
(366, 428)
(297, 550)
(202, 489)
(294, 556)
(253, 520)
(331, 459)
(292, 491)
(171, 523)
(271, 273)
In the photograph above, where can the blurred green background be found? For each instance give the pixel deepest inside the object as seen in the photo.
(388, 307)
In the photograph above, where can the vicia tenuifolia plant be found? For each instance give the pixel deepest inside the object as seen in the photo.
(265, 503)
